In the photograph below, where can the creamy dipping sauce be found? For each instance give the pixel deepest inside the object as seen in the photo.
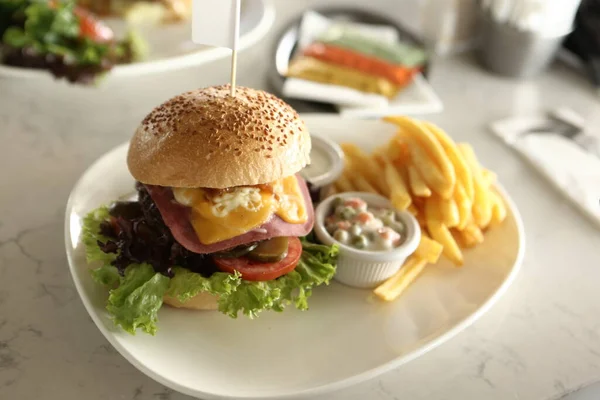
(320, 163)
(353, 223)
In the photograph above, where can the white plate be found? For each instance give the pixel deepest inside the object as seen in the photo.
(418, 98)
(171, 47)
(342, 340)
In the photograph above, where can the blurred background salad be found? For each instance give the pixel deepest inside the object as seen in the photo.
(64, 38)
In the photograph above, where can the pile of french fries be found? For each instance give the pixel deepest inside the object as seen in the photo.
(422, 170)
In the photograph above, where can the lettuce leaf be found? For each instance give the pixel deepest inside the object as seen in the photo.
(135, 302)
(90, 235)
(31, 30)
(106, 275)
(316, 267)
(187, 284)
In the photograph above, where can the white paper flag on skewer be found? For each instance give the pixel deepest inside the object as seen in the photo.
(216, 22)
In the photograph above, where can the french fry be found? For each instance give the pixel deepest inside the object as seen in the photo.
(366, 166)
(399, 194)
(464, 205)
(498, 208)
(422, 221)
(343, 184)
(441, 183)
(449, 210)
(433, 147)
(380, 153)
(362, 185)
(416, 182)
(432, 210)
(440, 232)
(489, 177)
(474, 232)
(417, 211)
(469, 237)
(482, 205)
(428, 170)
(413, 210)
(379, 176)
(419, 204)
(429, 250)
(463, 239)
(463, 173)
(397, 284)
(397, 150)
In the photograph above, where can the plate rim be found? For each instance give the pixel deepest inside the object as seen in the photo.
(182, 61)
(317, 390)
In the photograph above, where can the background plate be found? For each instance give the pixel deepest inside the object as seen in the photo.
(417, 98)
(171, 47)
(345, 338)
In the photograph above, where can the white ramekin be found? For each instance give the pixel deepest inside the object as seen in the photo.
(362, 268)
(323, 183)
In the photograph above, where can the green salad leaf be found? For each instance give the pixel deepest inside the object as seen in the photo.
(54, 28)
(135, 302)
(107, 275)
(316, 267)
(12, 12)
(187, 284)
(90, 235)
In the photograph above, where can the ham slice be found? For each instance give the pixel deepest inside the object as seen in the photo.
(177, 218)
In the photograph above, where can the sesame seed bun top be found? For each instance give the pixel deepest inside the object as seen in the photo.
(206, 138)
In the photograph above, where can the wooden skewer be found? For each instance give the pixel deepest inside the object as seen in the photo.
(236, 35)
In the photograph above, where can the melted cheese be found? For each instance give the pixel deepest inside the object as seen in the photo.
(238, 211)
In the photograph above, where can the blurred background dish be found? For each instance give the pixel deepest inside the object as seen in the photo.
(142, 11)
(169, 45)
(304, 51)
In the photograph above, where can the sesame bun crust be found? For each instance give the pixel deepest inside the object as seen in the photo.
(206, 138)
(202, 301)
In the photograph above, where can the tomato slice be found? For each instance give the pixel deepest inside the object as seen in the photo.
(257, 271)
(89, 26)
(92, 28)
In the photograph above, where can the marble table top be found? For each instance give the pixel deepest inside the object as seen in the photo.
(539, 342)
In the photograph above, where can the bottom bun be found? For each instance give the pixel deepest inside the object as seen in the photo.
(202, 301)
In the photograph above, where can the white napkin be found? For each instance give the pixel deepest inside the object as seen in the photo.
(314, 91)
(569, 167)
(417, 98)
(314, 25)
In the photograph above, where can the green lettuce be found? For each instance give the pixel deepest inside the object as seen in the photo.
(316, 267)
(135, 302)
(107, 275)
(54, 28)
(136, 297)
(90, 235)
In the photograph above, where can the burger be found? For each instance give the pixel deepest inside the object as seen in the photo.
(221, 219)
